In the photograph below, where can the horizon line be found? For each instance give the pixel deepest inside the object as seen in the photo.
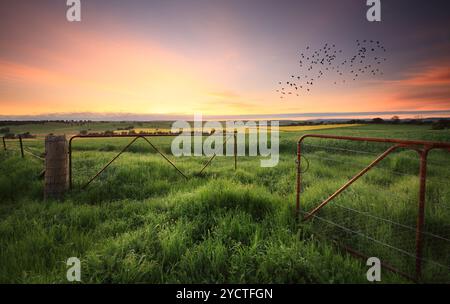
(120, 116)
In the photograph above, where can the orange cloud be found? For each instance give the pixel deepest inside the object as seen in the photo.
(430, 75)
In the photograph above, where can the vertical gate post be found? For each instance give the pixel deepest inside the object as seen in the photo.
(4, 143)
(70, 162)
(21, 146)
(421, 211)
(235, 149)
(298, 161)
(56, 167)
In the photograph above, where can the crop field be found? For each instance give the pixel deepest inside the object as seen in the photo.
(141, 221)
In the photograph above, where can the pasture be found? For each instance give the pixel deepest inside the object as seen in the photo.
(140, 221)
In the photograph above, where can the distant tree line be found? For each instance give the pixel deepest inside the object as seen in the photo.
(41, 122)
(10, 135)
(435, 124)
(126, 128)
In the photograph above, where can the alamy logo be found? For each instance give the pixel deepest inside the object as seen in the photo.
(74, 272)
(74, 11)
(374, 272)
(218, 135)
(374, 12)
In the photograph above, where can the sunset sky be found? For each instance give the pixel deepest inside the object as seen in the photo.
(220, 58)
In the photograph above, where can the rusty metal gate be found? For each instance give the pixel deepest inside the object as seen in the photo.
(315, 212)
(135, 137)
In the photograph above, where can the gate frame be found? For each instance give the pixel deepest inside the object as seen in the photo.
(135, 138)
(421, 147)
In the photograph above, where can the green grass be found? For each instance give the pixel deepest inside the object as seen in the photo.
(142, 222)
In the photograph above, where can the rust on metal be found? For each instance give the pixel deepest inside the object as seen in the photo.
(422, 147)
(421, 210)
(165, 157)
(135, 137)
(299, 179)
(109, 163)
(207, 163)
(351, 181)
(214, 155)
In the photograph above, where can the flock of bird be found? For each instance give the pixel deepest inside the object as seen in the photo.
(328, 60)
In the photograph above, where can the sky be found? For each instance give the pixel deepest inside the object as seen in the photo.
(168, 58)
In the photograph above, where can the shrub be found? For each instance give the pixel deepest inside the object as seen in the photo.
(441, 124)
(10, 135)
(27, 135)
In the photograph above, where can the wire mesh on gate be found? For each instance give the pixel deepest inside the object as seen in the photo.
(377, 215)
(106, 163)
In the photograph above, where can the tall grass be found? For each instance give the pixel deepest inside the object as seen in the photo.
(142, 222)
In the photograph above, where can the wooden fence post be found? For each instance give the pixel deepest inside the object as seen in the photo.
(21, 146)
(56, 167)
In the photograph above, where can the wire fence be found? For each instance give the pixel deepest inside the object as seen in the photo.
(376, 216)
(25, 146)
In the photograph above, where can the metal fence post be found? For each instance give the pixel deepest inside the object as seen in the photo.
(4, 143)
(298, 161)
(70, 163)
(421, 211)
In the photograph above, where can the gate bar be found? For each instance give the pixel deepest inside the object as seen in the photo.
(351, 181)
(214, 155)
(165, 157)
(110, 162)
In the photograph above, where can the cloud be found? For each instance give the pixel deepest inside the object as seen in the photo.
(431, 75)
(426, 85)
(439, 94)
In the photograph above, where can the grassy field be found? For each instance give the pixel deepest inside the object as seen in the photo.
(143, 222)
